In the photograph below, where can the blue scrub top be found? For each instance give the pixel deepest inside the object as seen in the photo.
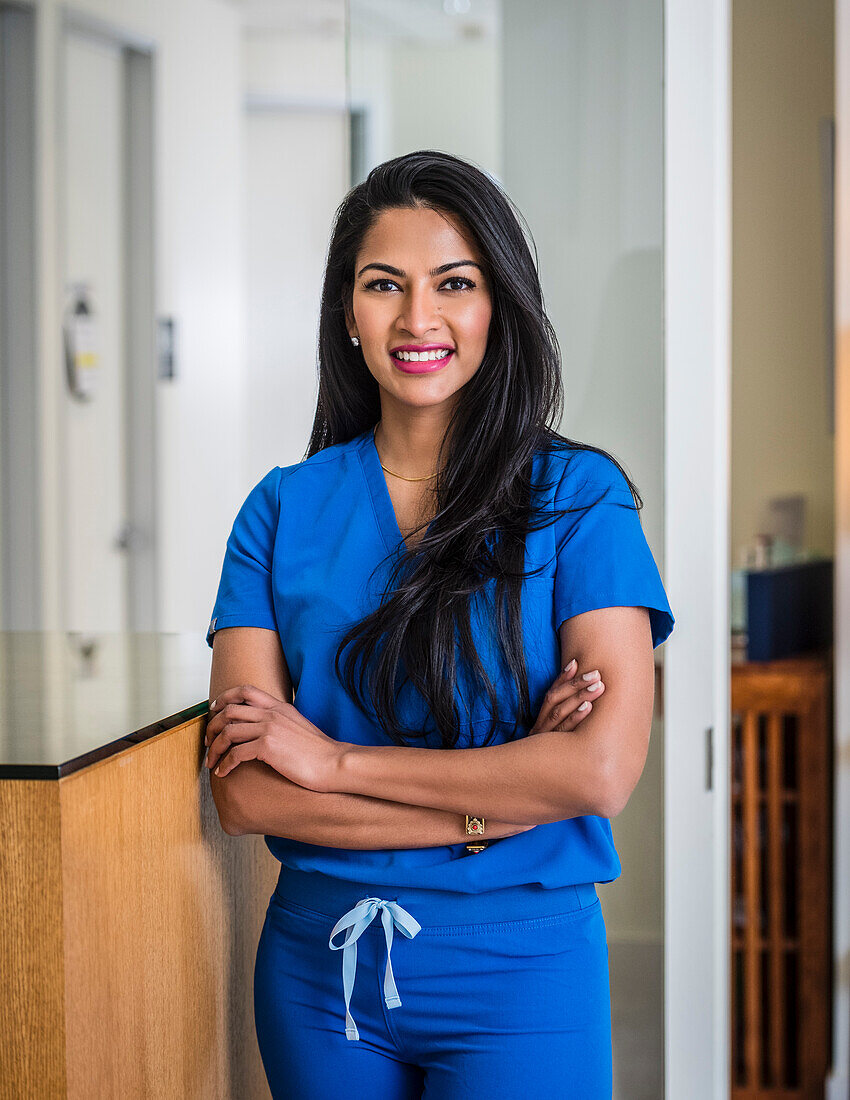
(301, 559)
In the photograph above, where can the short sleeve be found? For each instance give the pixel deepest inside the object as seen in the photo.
(603, 558)
(244, 595)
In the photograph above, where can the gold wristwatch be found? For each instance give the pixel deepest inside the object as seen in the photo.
(475, 827)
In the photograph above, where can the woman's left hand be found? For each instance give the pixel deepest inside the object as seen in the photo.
(249, 724)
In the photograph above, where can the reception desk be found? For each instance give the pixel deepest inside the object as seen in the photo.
(130, 918)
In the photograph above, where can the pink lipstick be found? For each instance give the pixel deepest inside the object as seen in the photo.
(424, 366)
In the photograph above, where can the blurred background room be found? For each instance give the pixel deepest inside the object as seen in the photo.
(169, 174)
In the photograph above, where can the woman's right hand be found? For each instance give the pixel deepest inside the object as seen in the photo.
(560, 711)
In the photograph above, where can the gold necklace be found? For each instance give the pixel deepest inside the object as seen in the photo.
(403, 478)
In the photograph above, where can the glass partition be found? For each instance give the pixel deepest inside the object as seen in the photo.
(565, 110)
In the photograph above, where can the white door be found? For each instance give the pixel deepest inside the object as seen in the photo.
(93, 478)
(697, 294)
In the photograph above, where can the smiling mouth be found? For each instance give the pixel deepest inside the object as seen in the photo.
(422, 365)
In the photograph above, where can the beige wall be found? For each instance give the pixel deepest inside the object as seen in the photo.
(782, 85)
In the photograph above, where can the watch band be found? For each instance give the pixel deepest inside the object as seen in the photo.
(475, 827)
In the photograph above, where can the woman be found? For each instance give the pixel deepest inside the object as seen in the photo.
(443, 571)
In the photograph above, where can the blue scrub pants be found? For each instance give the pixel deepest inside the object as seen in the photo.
(457, 996)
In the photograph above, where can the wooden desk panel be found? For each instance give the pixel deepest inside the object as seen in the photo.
(32, 966)
(131, 931)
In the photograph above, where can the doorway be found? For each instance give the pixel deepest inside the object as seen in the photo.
(107, 422)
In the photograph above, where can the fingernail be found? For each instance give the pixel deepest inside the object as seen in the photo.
(212, 705)
(570, 665)
(216, 771)
(583, 706)
(590, 675)
(594, 687)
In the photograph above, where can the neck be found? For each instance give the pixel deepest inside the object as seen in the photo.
(409, 448)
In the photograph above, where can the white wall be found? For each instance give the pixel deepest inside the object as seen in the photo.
(461, 112)
(298, 66)
(199, 281)
(297, 172)
(448, 98)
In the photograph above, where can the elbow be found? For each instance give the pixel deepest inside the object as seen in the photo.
(232, 826)
(612, 796)
(612, 808)
(230, 816)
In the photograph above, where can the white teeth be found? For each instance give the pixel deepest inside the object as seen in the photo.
(421, 356)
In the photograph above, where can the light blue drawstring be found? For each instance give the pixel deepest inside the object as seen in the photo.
(358, 920)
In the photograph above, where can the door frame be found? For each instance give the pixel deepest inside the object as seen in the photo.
(697, 347)
(838, 1084)
(21, 594)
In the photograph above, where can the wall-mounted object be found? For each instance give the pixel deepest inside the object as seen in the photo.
(165, 347)
(80, 335)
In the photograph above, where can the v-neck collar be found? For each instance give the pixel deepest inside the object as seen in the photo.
(376, 483)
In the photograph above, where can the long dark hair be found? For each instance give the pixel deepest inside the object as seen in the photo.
(484, 490)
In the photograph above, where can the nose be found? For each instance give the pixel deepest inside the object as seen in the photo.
(419, 314)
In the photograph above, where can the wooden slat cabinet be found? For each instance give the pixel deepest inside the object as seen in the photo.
(781, 878)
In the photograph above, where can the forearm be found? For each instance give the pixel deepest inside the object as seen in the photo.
(254, 798)
(548, 777)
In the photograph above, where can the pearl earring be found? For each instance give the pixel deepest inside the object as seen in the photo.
(355, 340)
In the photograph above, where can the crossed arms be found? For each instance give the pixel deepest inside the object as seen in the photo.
(550, 776)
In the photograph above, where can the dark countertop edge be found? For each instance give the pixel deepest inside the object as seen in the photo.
(112, 748)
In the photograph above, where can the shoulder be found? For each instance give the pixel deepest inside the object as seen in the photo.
(335, 452)
(264, 493)
(582, 474)
(326, 464)
(285, 486)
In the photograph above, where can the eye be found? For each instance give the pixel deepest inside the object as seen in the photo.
(460, 279)
(378, 282)
(468, 283)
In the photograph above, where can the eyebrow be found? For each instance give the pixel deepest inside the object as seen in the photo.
(434, 271)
